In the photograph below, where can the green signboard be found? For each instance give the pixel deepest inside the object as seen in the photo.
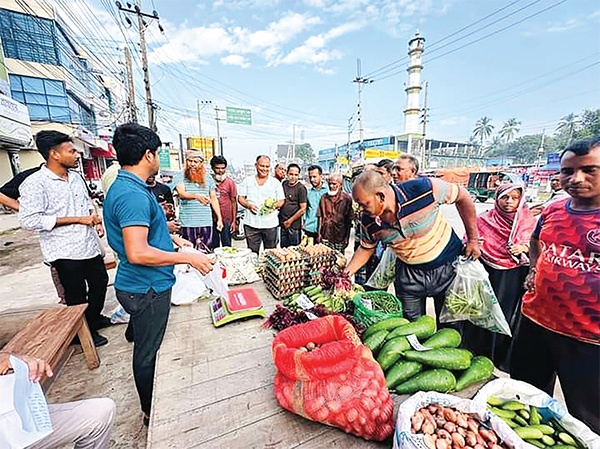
(164, 156)
(239, 116)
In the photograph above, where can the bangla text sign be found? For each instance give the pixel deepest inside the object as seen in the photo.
(239, 116)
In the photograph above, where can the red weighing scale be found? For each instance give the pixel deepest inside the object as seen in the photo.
(240, 303)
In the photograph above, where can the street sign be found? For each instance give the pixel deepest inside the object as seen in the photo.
(164, 157)
(239, 116)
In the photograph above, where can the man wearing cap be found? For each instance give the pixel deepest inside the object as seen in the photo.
(197, 194)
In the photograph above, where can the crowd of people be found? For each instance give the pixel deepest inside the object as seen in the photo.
(545, 271)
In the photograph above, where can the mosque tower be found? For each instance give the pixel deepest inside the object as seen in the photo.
(412, 113)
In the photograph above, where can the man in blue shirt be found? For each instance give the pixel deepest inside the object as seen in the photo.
(137, 230)
(313, 197)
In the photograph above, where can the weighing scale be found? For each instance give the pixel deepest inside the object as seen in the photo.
(240, 303)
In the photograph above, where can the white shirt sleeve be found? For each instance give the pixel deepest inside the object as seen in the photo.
(279, 194)
(32, 207)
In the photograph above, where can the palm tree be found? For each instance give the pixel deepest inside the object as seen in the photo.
(483, 129)
(509, 129)
(568, 124)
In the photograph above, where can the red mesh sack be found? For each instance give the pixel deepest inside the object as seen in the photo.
(338, 383)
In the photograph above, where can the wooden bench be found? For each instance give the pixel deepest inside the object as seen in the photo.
(49, 335)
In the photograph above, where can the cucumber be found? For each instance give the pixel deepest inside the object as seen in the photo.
(392, 351)
(519, 419)
(389, 324)
(566, 438)
(513, 405)
(537, 443)
(510, 422)
(503, 413)
(440, 380)
(534, 418)
(548, 441)
(401, 372)
(481, 369)
(560, 429)
(444, 338)
(563, 446)
(422, 327)
(495, 402)
(527, 433)
(524, 414)
(375, 341)
(448, 358)
(545, 429)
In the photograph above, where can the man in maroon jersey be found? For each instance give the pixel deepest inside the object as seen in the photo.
(559, 334)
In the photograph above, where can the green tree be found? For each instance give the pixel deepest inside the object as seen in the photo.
(589, 124)
(524, 149)
(483, 129)
(509, 129)
(567, 126)
(305, 152)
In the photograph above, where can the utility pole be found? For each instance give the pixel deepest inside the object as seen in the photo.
(348, 143)
(201, 104)
(130, 87)
(142, 30)
(360, 81)
(217, 120)
(424, 122)
(541, 149)
(294, 141)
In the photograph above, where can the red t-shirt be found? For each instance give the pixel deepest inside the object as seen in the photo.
(226, 193)
(566, 299)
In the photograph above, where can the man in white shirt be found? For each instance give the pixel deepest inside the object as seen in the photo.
(55, 202)
(262, 196)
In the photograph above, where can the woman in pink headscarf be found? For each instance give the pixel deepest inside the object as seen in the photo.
(505, 232)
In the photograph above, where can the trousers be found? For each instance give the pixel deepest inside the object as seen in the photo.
(149, 314)
(87, 423)
(256, 236)
(84, 281)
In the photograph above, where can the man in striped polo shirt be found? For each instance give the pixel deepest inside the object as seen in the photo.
(407, 218)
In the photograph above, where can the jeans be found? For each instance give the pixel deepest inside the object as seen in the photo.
(413, 286)
(86, 423)
(256, 236)
(222, 238)
(289, 237)
(540, 355)
(85, 282)
(149, 314)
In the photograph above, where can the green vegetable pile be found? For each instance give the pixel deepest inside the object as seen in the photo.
(268, 206)
(466, 303)
(444, 367)
(230, 250)
(531, 426)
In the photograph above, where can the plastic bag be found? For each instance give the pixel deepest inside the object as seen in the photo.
(385, 272)
(405, 439)
(189, 285)
(239, 266)
(548, 407)
(215, 279)
(338, 383)
(471, 298)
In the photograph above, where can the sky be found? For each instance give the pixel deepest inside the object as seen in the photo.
(292, 63)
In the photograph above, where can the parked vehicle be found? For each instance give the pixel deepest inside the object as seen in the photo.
(239, 232)
(482, 185)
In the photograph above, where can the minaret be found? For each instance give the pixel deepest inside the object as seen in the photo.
(416, 46)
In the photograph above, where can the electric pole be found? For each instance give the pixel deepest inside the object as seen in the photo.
(203, 103)
(130, 87)
(217, 120)
(424, 122)
(541, 149)
(360, 81)
(142, 30)
(294, 141)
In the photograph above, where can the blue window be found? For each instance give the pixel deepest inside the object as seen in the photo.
(28, 38)
(45, 99)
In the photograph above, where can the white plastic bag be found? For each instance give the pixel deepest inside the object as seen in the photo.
(385, 272)
(472, 298)
(405, 439)
(189, 285)
(119, 315)
(509, 389)
(239, 266)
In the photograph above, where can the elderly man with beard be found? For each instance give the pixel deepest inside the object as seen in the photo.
(335, 215)
(197, 194)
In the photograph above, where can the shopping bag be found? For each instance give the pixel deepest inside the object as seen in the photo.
(239, 265)
(404, 438)
(472, 298)
(338, 383)
(509, 389)
(189, 285)
(215, 279)
(385, 272)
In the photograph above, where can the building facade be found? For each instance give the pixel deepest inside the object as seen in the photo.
(61, 84)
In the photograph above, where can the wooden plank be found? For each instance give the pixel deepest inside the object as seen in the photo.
(87, 344)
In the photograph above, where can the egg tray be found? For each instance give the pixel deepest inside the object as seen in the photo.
(278, 292)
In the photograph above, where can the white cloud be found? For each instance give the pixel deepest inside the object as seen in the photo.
(559, 27)
(235, 60)
(453, 121)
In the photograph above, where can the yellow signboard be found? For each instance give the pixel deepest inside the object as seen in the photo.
(206, 144)
(371, 153)
(342, 160)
